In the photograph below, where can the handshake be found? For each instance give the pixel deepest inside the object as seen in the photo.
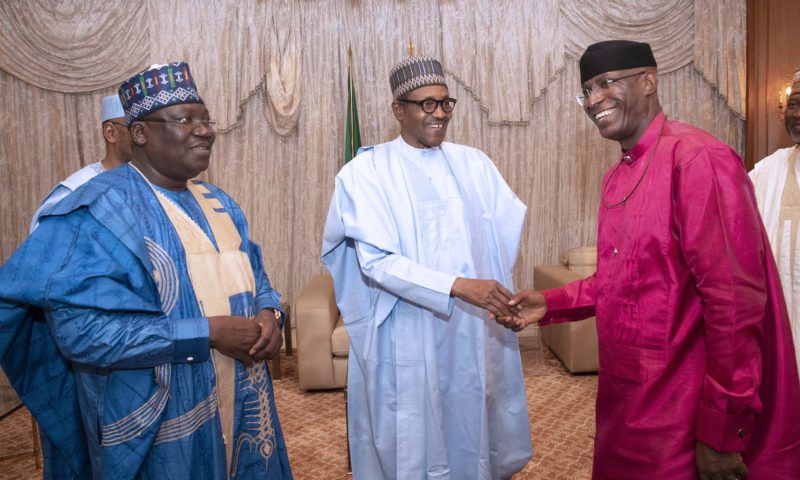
(513, 311)
(246, 339)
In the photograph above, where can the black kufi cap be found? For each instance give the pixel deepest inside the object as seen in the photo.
(613, 55)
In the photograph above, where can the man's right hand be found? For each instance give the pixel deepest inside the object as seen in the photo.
(490, 295)
(233, 336)
(529, 306)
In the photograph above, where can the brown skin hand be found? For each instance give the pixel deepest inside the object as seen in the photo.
(269, 343)
(234, 336)
(487, 294)
(528, 306)
(714, 465)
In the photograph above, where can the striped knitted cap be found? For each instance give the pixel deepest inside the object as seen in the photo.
(157, 87)
(415, 72)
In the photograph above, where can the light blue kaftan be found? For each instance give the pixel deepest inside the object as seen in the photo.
(435, 389)
(65, 187)
(109, 272)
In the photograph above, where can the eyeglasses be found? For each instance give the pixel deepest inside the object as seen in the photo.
(184, 122)
(429, 105)
(602, 86)
(118, 123)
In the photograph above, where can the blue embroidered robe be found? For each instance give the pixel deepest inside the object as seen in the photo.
(132, 359)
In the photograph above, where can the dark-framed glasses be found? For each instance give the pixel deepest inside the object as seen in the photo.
(601, 86)
(429, 105)
(184, 122)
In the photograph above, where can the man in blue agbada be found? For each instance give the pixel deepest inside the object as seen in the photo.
(421, 240)
(135, 320)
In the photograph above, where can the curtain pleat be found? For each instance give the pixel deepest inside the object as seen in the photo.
(274, 73)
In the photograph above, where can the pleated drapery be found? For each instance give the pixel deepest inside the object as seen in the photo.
(274, 73)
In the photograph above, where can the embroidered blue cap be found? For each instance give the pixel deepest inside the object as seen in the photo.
(414, 72)
(157, 87)
(112, 108)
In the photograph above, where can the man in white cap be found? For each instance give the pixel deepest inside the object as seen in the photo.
(776, 180)
(421, 240)
(118, 151)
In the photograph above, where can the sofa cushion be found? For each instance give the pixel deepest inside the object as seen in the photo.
(340, 342)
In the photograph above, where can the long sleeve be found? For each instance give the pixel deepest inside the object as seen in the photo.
(94, 276)
(574, 301)
(721, 241)
(407, 279)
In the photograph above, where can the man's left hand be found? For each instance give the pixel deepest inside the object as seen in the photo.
(269, 343)
(714, 465)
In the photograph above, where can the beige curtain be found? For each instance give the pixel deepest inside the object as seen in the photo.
(274, 74)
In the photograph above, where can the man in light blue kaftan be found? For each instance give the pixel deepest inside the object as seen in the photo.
(146, 281)
(421, 240)
(118, 151)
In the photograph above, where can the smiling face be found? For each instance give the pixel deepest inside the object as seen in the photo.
(791, 116)
(170, 153)
(420, 129)
(623, 110)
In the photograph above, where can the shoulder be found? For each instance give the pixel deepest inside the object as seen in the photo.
(778, 159)
(688, 142)
(82, 176)
(365, 163)
(464, 150)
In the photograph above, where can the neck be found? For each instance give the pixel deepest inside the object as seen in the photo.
(630, 142)
(157, 178)
(110, 161)
(412, 142)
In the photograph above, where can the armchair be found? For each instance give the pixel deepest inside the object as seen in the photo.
(574, 343)
(322, 341)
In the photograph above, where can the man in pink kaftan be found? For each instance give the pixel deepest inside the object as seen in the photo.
(697, 368)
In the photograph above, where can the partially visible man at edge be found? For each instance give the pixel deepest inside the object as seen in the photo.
(421, 237)
(697, 370)
(778, 194)
(149, 283)
(118, 151)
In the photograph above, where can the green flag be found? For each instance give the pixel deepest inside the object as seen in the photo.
(352, 140)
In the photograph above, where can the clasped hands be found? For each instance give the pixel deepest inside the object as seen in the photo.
(513, 311)
(246, 339)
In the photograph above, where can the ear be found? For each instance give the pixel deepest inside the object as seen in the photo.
(650, 82)
(109, 133)
(398, 110)
(138, 134)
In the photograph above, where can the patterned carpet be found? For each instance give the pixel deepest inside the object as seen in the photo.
(561, 407)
